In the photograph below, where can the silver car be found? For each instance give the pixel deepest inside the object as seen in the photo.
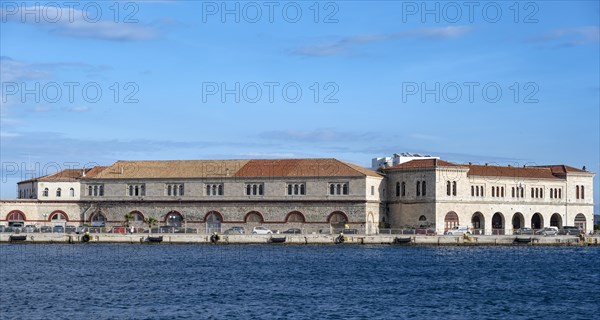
(261, 230)
(548, 231)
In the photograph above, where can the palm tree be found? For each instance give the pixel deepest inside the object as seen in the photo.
(128, 217)
(150, 222)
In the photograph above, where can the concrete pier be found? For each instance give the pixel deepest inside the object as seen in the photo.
(307, 239)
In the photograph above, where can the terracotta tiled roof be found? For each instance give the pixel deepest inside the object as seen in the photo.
(62, 176)
(303, 168)
(232, 168)
(423, 163)
(505, 171)
(171, 169)
(93, 172)
(542, 172)
(561, 169)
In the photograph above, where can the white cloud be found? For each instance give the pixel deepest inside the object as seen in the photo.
(570, 37)
(344, 44)
(71, 22)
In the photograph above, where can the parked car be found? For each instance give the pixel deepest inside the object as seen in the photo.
(235, 230)
(293, 231)
(70, 229)
(570, 230)
(46, 229)
(547, 231)
(458, 231)
(425, 231)
(261, 230)
(30, 228)
(121, 230)
(524, 230)
(350, 231)
(58, 229)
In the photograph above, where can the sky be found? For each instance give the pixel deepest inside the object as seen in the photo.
(91, 82)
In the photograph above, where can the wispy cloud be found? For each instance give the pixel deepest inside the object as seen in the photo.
(569, 37)
(345, 44)
(70, 22)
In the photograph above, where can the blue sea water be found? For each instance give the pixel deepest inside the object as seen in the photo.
(112, 281)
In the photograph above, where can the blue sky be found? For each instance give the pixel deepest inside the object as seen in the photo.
(485, 82)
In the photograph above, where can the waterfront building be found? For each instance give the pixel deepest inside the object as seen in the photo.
(316, 195)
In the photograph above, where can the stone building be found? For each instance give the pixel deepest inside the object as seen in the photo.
(488, 199)
(316, 195)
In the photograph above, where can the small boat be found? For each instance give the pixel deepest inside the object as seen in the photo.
(522, 239)
(277, 239)
(155, 239)
(14, 238)
(402, 240)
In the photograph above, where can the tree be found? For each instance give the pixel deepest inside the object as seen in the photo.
(128, 217)
(150, 222)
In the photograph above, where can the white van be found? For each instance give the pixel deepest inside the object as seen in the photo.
(458, 231)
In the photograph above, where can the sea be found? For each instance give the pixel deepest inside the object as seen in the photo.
(161, 281)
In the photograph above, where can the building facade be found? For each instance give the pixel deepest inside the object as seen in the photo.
(316, 195)
(488, 199)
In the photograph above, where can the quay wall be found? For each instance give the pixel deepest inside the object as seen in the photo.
(310, 239)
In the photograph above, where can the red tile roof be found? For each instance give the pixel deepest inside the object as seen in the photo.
(537, 172)
(506, 171)
(303, 168)
(233, 168)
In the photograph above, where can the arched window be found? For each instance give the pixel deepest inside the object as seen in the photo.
(337, 219)
(58, 192)
(422, 218)
(90, 191)
(450, 220)
(332, 189)
(136, 216)
(448, 188)
(522, 192)
(15, 216)
(220, 189)
(576, 192)
(58, 216)
(418, 188)
(582, 193)
(289, 189)
(493, 191)
(345, 188)
(45, 194)
(72, 192)
(453, 188)
(260, 189)
(403, 188)
(254, 216)
(169, 191)
(174, 219)
(295, 216)
(472, 191)
(98, 219)
(302, 189)
(213, 222)
(424, 189)
(338, 189)
(560, 193)
(502, 189)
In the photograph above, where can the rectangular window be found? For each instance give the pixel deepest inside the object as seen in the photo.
(174, 189)
(214, 189)
(296, 189)
(372, 190)
(338, 188)
(136, 190)
(96, 190)
(254, 189)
